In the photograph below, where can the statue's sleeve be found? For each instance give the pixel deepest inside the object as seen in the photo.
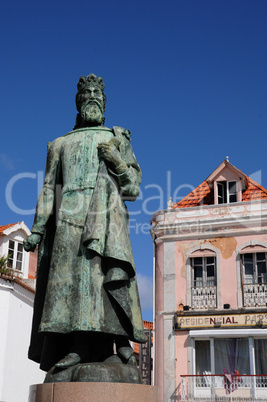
(46, 199)
(130, 180)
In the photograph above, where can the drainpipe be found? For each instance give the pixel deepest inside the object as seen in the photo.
(154, 308)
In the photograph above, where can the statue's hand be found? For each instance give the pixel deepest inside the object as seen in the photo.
(31, 242)
(110, 153)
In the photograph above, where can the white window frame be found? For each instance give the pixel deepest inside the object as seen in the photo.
(250, 334)
(204, 271)
(226, 188)
(189, 284)
(255, 268)
(14, 258)
(239, 266)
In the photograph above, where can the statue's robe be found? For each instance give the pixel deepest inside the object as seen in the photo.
(86, 275)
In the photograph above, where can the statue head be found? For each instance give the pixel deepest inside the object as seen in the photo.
(90, 101)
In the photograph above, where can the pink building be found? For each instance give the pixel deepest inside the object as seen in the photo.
(211, 291)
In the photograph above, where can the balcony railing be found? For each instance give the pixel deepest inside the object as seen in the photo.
(255, 294)
(204, 388)
(204, 297)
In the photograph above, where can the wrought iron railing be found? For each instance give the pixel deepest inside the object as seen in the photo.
(204, 388)
(204, 297)
(255, 294)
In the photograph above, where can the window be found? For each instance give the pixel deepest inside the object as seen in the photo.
(203, 363)
(204, 290)
(203, 271)
(228, 354)
(260, 346)
(231, 354)
(254, 268)
(226, 192)
(15, 255)
(214, 357)
(254, 275)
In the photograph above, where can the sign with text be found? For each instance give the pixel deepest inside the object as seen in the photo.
(221, 321)
(145, 358)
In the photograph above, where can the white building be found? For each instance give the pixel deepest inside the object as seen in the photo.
(17, 372)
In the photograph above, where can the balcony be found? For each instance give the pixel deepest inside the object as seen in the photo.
(204, 297)
(255, 295)
(204, 388)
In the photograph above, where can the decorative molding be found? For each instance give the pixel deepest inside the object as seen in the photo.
(251, 243)
(208, 234)
(202, 246)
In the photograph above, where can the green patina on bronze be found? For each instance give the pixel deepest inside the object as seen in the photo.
(86, 292)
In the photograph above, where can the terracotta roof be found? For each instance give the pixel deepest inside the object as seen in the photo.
(204, 195)
(148, 324)
(3, 228)
(19, 281)
(25, 285)
(201, 195)
(254, 191)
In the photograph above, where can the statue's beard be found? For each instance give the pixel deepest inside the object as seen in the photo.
(91, 113)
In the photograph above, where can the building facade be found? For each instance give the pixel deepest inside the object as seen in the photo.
(17, 291)
(210, 287)
(22, 264)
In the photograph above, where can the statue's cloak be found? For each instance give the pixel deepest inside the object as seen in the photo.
(110, 301)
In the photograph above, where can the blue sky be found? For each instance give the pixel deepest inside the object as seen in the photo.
(187, 77)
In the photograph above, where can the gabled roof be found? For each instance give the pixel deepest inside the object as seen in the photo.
(3, 228)
(13, 227)
(223, 165)
(201, 195)
(254, 191)
(204, 194)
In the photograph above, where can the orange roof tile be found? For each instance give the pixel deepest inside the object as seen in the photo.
(254, 191)
(204, 195)
(3, 228)
(25, 285)
(148, 324)
(19, 281)
(201, 195)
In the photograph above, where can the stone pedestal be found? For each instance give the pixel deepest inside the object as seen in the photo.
(96, 372)
(92, 391)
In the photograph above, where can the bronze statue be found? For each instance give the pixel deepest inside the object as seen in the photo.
(86, 292)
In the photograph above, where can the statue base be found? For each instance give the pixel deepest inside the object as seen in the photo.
(92, 391)
(95, 372)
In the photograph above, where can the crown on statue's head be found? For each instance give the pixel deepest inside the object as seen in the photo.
(90, 79)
